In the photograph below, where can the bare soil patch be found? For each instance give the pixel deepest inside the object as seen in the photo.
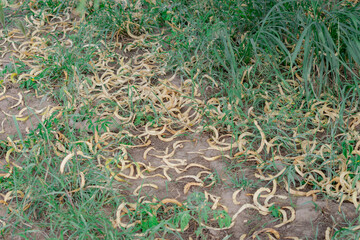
(25, 107)
(312, 218)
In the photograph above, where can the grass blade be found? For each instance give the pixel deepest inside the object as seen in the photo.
(20, 25)
(17, 128)
(2, 15)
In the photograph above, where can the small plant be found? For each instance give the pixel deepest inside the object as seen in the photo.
(241, 181)
(182, 219)
(352, 160)
(142, 119)
(223, 218)
(149, 217)
(29, 84)
(7, 183)
(200, 210)
(99, 124)
(275, 211)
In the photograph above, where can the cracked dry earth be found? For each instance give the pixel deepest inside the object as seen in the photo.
(174, 154)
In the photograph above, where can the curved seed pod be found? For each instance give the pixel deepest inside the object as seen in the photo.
(267, 230)
(119, 214)
(190, 184)
(136, 191)
(285, 219)
(255, 199)
(235, 195)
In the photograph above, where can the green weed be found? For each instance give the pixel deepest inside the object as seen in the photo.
(2, 15)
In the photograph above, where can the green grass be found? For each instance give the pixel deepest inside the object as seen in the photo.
(76, 215)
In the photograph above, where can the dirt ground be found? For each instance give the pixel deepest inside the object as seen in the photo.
(312, 217)
(25, 106)
(20, 113)
(194, 161)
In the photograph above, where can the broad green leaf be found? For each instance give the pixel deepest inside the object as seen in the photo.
(351, 148)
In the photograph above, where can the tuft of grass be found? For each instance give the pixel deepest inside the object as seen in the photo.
(80, 214)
